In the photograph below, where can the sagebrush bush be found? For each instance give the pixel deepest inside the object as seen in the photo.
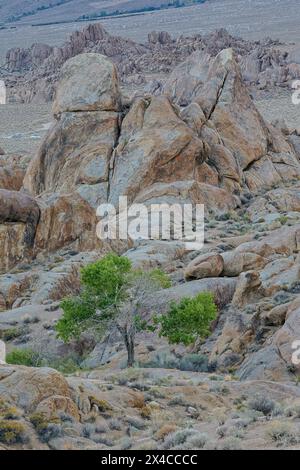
(8, 411)
(46, 428)
(115, 424)
(177, 438)
(293, 411)
(230, 443)
(24, 357)
(263, 404)
(283, 433)
(196, 363)
(196, 441)
(12, 432)
(136, 422)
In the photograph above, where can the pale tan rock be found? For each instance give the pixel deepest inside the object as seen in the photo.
(248, 289)
(56, 404)
(28, 387)
(12, 245)
(203, 266)
(89, 139)
(276, 316)
(88, 82)
(160, 147)
(233, 263)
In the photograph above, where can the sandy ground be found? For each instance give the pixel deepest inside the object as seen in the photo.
(279, 107)
(251, 19)
(23, 126)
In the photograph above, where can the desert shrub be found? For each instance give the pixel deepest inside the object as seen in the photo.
(178, 400)
(293, 411)
(138, 402)
(115, 424)
(177, 438)
(136, 422)
(23, 357)
(125, 443)
(230, 443)
(196, 441)
(164, 431)
(12, 432)
(162, 361)
(283, 433)
(263, 404)
(51, 431)
(196, 363)
(222, 431)
(66, 365)
(88, 430)
(103, 405)
(13, 333)
(46, 428)
(7, 411)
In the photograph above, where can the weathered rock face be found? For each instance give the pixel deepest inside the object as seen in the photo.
(83, 160)
(76, 92)
(205, 152)
(209, 265)
(19, 217)
(12, 171)
(243, 148)
(274, 361)
(18, 385)
(155, 146)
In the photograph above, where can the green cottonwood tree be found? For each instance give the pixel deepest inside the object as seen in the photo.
(112, 298)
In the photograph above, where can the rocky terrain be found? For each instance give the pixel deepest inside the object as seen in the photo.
(31, 74)
(193, 136)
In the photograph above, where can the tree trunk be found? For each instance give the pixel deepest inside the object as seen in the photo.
(129, 343)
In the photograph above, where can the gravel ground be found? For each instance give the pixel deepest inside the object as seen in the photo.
(23, 126)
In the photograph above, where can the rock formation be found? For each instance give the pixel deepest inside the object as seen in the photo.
(198, 139)
(32, 74)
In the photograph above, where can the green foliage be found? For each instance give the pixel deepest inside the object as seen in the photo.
(102, 290)
(105, 277)
(23, 357)
(189, 319)
(106, 285)
(160, 278)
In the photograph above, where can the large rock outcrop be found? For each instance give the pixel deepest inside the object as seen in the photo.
(210, 151)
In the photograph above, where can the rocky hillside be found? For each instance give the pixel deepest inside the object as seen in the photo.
(200, 139)
(31, 74)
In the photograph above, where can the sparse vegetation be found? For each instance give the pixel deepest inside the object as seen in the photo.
(23, 357)
(262, 404)
(112, 298)
(283, 433)
(12, 432)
